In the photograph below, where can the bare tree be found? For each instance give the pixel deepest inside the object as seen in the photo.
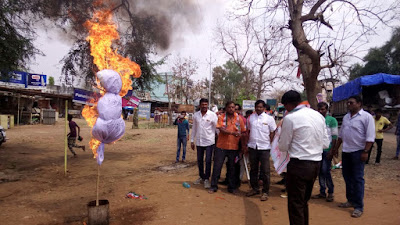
(199, 89)
(257, 49)
(183, 69)
(325, 33)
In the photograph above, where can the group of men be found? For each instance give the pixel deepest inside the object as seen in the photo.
(311, 139)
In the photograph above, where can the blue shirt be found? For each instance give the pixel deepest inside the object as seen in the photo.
(357, 130)
(183, 126)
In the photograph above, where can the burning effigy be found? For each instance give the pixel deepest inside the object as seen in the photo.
(113, 81)
(109, 126)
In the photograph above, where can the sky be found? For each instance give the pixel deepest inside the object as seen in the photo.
(197, 42)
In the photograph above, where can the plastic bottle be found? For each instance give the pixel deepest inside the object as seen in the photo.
(186, 185)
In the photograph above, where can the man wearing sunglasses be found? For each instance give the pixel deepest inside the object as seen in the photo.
(357, 134)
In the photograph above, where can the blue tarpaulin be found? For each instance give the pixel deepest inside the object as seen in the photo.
(354, 87)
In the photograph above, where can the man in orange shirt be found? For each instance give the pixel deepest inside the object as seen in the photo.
(231, 126)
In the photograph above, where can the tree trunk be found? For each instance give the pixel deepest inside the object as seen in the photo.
(260, 82)
(135, 123)
(312, 88)
(309, 58)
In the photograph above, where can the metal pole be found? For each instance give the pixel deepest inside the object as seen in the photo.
(65, 137)
(209, 85)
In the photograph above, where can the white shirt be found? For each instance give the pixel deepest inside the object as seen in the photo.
(203, 128)
(357, 130)
(260, 126)
(304, 135)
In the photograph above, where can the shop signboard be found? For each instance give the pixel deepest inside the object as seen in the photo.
(84, 97)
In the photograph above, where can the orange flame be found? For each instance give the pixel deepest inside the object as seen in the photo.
(102, 33)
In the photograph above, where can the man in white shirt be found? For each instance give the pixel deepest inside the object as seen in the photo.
(203, 131)
(262, 130)
(357, 134)
(303, 136)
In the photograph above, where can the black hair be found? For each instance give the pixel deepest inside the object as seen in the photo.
(69, 117)
(323, 104)
(240, 107)
(183, 112)
(357, 98)
(258, 102)
(267, 107)
(228, 103)
(249, 112)
(378, 110)
(203, 100)
(291, 97)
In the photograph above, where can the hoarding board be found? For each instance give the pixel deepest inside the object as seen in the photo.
(15, 79)
(130, 101)
(36, 81)
(144, 111)
(248, 105)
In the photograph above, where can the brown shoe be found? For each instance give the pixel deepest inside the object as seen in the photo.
(252, 193)
(329, 198)
(345, 205)
(356, 213)
(264, 197)
(318, 196)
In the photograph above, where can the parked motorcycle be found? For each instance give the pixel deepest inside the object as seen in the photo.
(2, 135)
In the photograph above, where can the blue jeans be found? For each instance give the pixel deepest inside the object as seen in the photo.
(205, 175)
(398, 146)
(181, 141)
(325, 178)
(353, 174)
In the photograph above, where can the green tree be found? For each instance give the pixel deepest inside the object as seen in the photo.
(16, 36)
(51, 81)
(384, 59)
(227, 81)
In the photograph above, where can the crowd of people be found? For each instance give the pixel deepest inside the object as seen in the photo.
(310, 137)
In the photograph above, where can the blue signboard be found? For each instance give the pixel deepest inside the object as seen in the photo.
(15, 78)
(37, 81)
(271, 102)
(84, 97)
(144, 111)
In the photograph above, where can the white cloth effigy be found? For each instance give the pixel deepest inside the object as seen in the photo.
(280, 159)
(109, 126)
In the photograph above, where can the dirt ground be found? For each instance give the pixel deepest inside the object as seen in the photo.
(34, 189)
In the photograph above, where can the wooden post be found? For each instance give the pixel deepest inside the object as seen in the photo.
(18, 109)
(65, 138)
(97, 186)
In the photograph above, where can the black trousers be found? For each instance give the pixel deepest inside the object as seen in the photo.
(258, 157)
(378, 151)
(300, 178)
(219, 157)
